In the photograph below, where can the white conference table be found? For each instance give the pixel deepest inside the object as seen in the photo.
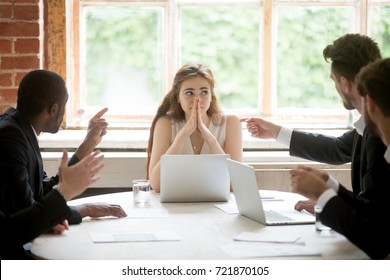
(205, 233)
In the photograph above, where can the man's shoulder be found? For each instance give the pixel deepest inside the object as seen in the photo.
(372, 142)
(8, 124)
(11, 129)
(7, 117)
(12, 120)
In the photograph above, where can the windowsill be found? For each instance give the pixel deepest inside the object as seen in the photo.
(125, 158)
(137, 140)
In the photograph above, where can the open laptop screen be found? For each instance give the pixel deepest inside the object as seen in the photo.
(194, 178)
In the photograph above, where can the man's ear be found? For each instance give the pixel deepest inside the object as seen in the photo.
(53, 110)
(370, 104)
(346, 84)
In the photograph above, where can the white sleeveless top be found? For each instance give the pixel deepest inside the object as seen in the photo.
(219, 131)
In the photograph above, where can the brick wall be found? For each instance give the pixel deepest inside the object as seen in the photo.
(20, 45)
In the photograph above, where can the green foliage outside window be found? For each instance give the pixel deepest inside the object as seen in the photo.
(227, 40)
(303, 76)
(125, 42)
(380, 28)
(125, 48)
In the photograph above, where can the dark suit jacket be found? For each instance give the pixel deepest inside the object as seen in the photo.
(23, 226)
(366, 154)
(23, 180)
(365, 225)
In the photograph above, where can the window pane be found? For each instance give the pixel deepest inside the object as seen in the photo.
(380, 27)
(227, 40)
(302, 73)
(123, 58)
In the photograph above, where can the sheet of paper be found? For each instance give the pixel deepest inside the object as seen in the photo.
(267, 236)
(269, 196)
(147, 213)
(253, 250)
(230, 208)
(109, 237)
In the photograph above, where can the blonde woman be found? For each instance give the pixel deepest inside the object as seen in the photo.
(190, 121)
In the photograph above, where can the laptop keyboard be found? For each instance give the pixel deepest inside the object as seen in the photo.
(273, 216)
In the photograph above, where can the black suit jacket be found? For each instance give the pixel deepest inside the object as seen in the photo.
(23, 226)
(366, 154)
(365, 225)
(23, 179)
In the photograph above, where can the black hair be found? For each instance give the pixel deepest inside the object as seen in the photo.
(40, 89)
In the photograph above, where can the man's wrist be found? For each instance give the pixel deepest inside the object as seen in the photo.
(325, 197)
(86, 148)
(332, 183)
(60, 191)
(284, 136)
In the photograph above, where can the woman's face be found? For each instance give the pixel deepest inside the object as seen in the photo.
(196, 88)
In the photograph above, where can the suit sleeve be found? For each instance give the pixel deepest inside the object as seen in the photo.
(25, 225)
(367, 227)
(32, 221)
(322, 148)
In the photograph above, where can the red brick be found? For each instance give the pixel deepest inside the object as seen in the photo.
(5, 79)
(30, 12)
(20, 2)
(27, 46)
(19, 77)
(26, 1)
(8, 97)
(5, 46)
(5, 11)
(20, 62)
(22, 29)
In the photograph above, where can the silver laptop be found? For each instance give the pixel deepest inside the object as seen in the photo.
(249, 204)
(194, 178)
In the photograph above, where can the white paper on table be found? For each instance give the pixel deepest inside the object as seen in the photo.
(230, 207)
(140, 236)
(253, 250)
(147, 213)
(267, 236)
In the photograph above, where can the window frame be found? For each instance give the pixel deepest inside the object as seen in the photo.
(66, 60)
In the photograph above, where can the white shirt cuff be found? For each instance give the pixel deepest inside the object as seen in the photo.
(325, 197)
(284, 136)
(333, 184)
(387, 154)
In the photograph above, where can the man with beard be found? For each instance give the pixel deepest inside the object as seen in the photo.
(366, 225)
(348, 55)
